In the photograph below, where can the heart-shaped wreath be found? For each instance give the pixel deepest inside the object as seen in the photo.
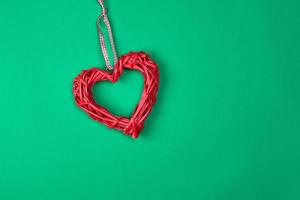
(85, 81)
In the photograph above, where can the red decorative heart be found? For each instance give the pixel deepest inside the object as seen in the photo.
(85, 81)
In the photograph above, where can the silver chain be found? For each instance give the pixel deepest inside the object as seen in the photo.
(110, 35)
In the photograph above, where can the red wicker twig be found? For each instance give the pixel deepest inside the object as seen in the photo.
(83, 95)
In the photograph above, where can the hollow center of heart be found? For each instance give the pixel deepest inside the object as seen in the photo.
(121, 97)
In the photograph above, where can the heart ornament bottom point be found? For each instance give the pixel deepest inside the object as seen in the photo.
(85, 81)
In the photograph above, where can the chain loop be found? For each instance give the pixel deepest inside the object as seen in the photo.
(110, 35)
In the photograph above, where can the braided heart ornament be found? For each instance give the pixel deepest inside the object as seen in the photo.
(85, 81)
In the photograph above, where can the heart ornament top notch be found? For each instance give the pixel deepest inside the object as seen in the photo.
(85, 81)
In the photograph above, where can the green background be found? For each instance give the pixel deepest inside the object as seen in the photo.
(226, 124)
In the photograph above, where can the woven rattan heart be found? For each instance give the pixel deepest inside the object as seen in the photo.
(85, 81)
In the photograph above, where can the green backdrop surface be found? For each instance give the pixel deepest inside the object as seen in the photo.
(226, 124)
